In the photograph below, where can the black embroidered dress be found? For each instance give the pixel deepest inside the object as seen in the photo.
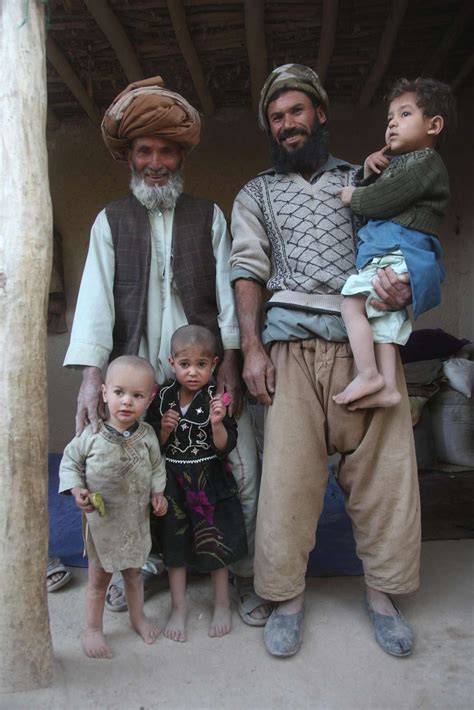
(204, 525)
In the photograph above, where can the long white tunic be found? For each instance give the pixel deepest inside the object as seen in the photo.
(91, 337)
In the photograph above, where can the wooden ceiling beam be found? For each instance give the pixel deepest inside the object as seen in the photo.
(458, 26)
(327, 37)
(254, 13)
(178, 20)
(387, 43)
(463, 73)
(115, 33)
(68, 75)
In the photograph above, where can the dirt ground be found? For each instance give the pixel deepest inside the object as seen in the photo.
(339, 666)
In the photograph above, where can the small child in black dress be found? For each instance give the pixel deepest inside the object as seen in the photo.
(204, 525)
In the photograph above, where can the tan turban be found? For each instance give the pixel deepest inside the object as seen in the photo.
(146, 108)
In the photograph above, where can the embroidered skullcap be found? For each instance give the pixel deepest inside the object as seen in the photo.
(287, 77)
(146, 108)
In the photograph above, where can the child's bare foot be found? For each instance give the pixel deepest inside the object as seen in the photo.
(361, 386)
(176, 626)
(386, 397)
(146, 629)
(221, 623)
(94, 645)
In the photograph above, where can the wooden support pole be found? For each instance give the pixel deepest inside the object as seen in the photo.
(70, 78)
(463, 73)
(387, 43)
(113, 30)
(455, 30)
(180, 26)
(26, 656)
(255, 34)
(327, 38)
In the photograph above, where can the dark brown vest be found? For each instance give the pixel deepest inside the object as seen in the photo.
(193, 265)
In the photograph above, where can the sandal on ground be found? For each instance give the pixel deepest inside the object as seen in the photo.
(392, 633)
(153, 582)
(55, 566)
(247, 601)
(283, 633)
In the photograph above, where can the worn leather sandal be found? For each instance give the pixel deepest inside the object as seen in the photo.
(283, 633)
(392, 633)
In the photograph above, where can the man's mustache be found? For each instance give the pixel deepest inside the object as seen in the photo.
(154, 173)
(289, 132)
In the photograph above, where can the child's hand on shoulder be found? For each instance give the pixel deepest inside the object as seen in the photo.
(81, 496)
(217, 409)
(346, 195)
(377, 162)
(159, 504)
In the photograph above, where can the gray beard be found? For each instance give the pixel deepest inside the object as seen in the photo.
(156, 197)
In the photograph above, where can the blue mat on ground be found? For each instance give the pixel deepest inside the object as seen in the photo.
(65, 524)
(334, 554)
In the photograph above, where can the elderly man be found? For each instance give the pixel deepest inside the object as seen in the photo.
(293, 236)
(159, 259)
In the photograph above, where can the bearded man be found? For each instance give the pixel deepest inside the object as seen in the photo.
(158, 259)
(293, 235)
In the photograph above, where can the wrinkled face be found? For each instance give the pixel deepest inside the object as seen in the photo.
(155, 159)
(128, 392)
(408, 128)
(292, 117)
(193, 367)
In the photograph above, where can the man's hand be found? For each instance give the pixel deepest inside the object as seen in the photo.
(159, 504)
(81, 496)
(90, 406)
(393, 289)
(259, 374)
(169, 423)
(228, 380)
(346, 195)
(377, 162)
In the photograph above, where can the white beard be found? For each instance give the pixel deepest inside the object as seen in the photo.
(156, 197)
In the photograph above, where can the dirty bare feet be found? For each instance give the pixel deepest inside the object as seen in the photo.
(386, 397)
(146, 629)
(94, 644)
(362, 385)
(221, 623)
(176, 627)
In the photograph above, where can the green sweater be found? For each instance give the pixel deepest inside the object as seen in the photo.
(413, 191)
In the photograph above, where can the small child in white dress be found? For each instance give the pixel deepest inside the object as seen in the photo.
(113, 475)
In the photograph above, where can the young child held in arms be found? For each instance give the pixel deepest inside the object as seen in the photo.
(204, 526)
(123, 463)
(405, 207)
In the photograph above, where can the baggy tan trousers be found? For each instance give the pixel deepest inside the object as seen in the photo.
(377, 472)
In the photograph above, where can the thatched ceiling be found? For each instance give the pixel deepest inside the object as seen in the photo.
(217, 53)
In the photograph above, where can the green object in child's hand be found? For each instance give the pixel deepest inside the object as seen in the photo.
(98, 503)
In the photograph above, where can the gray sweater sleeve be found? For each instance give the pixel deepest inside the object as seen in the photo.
(250, 246)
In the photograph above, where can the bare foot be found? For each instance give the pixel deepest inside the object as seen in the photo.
(386, 397)
(380, 602)
(94, 645)
(221, 623)
(176, 626)
(147, 630)
(361, 386)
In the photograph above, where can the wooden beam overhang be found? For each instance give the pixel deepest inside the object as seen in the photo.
(387, 43)
(70, 78)
(458, 26)
(464, 72)
(327, 37)
(178, 20)
(113, 30)
(254, 14)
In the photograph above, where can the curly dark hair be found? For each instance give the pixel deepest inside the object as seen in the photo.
(433, 97)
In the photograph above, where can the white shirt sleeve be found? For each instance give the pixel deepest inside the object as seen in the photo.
(227, 314)
(91, 336)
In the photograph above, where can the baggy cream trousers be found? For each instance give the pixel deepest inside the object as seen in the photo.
(377, 473)
(246, 471)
